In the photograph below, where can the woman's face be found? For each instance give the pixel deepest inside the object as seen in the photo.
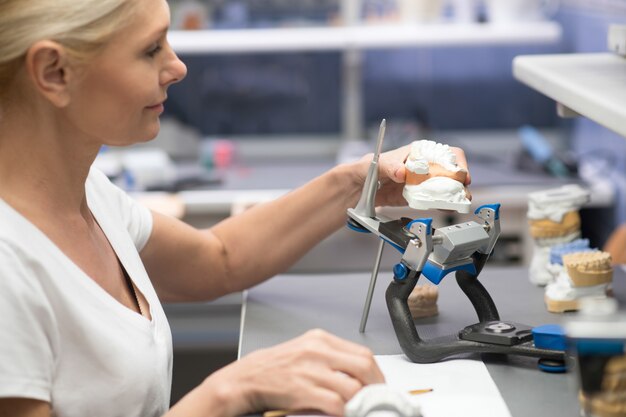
(118, 97)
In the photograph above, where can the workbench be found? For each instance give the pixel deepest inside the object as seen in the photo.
(289, 305)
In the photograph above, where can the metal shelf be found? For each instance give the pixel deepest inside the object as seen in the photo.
(591, 85)
(360, 37)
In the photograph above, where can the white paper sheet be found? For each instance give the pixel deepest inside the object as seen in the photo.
(461, 388)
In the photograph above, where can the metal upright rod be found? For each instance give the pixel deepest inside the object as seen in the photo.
(379, 140)
(366, 205)
(370, 291)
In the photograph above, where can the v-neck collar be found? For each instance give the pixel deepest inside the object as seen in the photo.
(87, 281)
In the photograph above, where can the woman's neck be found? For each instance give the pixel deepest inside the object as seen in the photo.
(43, 163)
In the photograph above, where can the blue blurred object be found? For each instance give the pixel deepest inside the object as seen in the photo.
(542, 152)
(578, 245)
(550, 336)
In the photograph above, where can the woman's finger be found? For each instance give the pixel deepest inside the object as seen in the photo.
(339, 382)
(349, 357)
(321, 399)
(362, 368)
(461, 161)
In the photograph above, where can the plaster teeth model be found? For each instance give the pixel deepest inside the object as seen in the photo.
(384, 400)
(584, 274)
(433, 179)
(568, 224)
(423, 301)
(578, 245)
(555, 259)
(589, 268)
(611, 400)
(553, 219)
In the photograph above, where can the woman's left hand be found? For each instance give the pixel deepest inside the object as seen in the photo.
(392, 174)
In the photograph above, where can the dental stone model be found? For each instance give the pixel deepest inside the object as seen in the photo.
(555, 264)
(381, 397)
(553, 219)
(423, 301)
(584, 274)
(611, 400)
(433, 179)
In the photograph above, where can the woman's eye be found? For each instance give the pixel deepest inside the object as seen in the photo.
(154, 50)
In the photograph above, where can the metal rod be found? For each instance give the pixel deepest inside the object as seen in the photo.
(370, 291)
(366, 205)
(379, 141)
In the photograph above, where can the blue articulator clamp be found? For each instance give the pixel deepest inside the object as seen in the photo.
(495, 207)
(434, 273)
(352, 225)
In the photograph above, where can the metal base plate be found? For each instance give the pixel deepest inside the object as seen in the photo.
(497, 333)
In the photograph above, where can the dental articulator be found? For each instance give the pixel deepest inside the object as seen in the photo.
(434, 253)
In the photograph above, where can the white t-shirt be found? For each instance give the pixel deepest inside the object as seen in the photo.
(64, 339)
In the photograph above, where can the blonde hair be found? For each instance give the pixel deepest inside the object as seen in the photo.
(81, 26)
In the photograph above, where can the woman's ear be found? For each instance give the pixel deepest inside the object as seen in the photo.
(48, 69)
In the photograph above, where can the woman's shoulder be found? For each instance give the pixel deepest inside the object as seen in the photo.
(99, 182)
(102, 192)
(16, 236)
(17, 265)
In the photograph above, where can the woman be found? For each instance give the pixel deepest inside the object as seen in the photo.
(83, 268)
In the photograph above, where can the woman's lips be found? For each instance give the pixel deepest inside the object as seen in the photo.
(157, 107)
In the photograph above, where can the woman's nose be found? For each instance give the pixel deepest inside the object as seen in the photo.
(175, 70)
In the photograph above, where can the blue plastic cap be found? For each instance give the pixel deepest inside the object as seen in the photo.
(495, 207)
(400, 271)
(426, 220)
(550, 336)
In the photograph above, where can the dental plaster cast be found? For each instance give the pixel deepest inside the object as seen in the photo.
(555, 262)
(423, 301)
(584, 274)
(611, 400)
(553, 219)
(381, 397)
(433, 179)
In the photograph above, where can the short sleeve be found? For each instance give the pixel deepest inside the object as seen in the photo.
(136, 217)
(28, 331)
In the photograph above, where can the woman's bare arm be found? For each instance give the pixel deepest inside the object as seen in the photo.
(23, 407)
(186, 264)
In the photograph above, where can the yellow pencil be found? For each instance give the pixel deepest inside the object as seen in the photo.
(284, 413)
(420, 391)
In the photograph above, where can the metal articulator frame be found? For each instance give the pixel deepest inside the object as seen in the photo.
(436, 349)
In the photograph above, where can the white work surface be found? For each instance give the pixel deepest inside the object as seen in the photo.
(289, 305)
(460, 387)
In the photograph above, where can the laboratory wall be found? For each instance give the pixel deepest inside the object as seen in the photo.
(300, 93)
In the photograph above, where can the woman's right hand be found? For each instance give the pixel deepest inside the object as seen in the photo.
(316, 371)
